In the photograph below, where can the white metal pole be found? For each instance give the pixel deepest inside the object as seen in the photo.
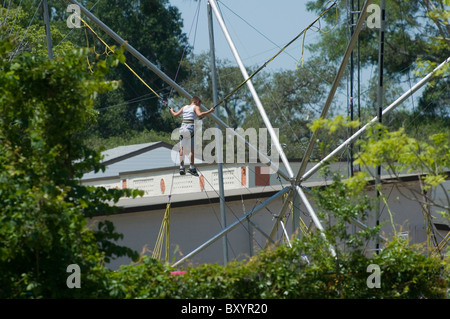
(252, 90)
(313, 216)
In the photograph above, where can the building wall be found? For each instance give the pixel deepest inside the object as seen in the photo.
(192, 225)
(169, 181)
(196, 217)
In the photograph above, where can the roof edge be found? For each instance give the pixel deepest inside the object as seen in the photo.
(138, 152)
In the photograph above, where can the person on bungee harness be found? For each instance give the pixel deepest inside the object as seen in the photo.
(190, 113)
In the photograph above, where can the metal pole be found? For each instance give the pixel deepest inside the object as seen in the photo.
(341, 70)
(281, 215)
(47, 30)
(380, 110)
(174, 85)
(233, 225)
(295, 213)
(352, 67)
(334, 86)
(219, 146)
(359, 74)
(357, 223)
(313, 216)
(386, 111)
(252, 90)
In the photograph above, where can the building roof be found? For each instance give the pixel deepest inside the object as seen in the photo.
(150, 166)
(135, 157)
(121, 151)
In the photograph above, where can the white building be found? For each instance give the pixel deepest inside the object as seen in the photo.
(195, 210)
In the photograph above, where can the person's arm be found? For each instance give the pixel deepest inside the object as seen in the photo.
(176, 113)
(201, 114)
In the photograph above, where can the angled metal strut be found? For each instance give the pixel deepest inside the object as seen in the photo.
(178, 88)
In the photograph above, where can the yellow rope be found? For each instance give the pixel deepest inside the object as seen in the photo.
(438, 249)
(164, 231)
(318, 30)
(110, 49)
(302, 224)
(87, 56)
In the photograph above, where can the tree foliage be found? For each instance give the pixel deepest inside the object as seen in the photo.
(306, 269)
(44, 105)
(154, 28)
(416, 41)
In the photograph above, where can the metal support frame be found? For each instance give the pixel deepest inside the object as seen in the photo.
(264, 115)
(386, 111)
(233, 225)
(326, 107)
(350, 107)
(47, 30)
(252, 89)
(301, 176)
(219, 145)
(177, 87)
(334, 86)
(287, 176)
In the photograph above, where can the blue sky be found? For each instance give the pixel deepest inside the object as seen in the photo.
(276, 23)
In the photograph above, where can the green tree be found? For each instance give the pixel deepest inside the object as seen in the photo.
(25, 23)
(154, 28)
(44, 105)
(399, 153)
(416, 40)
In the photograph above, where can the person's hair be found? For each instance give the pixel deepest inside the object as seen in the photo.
(196, 100)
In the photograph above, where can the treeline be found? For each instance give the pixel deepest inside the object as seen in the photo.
(292, 98)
